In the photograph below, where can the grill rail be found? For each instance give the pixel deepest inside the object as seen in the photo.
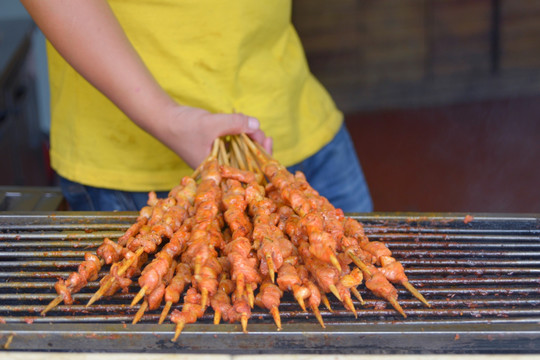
(482, 278)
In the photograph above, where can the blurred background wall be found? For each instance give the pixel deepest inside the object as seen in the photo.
(442, 98)
(24, 100)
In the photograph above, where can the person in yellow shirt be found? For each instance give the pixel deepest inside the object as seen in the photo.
(141, 89)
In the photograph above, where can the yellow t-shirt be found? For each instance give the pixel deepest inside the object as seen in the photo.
(222, 56)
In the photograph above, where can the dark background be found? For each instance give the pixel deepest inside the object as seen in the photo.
(442, 97)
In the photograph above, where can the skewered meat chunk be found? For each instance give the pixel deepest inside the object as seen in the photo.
(272, 244)
(235, 204)
(110, 251)
(184, 193)
(163, 263)
(392, 269)
(229, 172)
(378, 284)
(88, 271)
(153, 300)
(394, 272)
(324, 274)
(240, 311)
(191, 311)
(182, 276)
(381, 287)
(153, 273)
(206, 280)
(178, 282)
(221, 301)
(123, 280)
(289, 280)
(269, 297)
(243, 265)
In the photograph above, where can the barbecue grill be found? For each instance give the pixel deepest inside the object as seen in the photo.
(481, 273)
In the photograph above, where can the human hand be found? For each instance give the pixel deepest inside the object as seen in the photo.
(190, 132)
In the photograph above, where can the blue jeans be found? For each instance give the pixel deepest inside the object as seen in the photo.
(88, 198)
(334, 172)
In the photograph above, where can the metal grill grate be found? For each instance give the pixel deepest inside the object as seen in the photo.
(481, 277)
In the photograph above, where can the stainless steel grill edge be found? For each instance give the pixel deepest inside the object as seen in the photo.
(482, 278)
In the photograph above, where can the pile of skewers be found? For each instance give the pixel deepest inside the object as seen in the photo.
(239, 233)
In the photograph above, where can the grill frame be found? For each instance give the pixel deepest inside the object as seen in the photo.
(478, 318)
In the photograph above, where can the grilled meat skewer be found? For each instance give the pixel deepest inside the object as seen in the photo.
(175, 288)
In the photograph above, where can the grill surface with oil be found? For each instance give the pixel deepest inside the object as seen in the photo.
(482, 278)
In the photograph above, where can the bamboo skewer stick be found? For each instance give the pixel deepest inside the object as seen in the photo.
(98, 294)
(55, 302)
(217, 316)
(271, 267)
(223, 155)
(251, 296)
(335, 291)
(139, 295)
(357, 295)
(349, 304)
(358, 262)
(318, 316)
(204, 297)
(244, 322)
(140, 312)
(245, 152)
(178, 330)
(398, 307)
(238, 155)
(301, 302)
(165, 312)
(415, 292)
(277, 318)
(325, 301)
(335, 262)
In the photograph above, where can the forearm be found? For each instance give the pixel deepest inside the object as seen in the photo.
(89, 37)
